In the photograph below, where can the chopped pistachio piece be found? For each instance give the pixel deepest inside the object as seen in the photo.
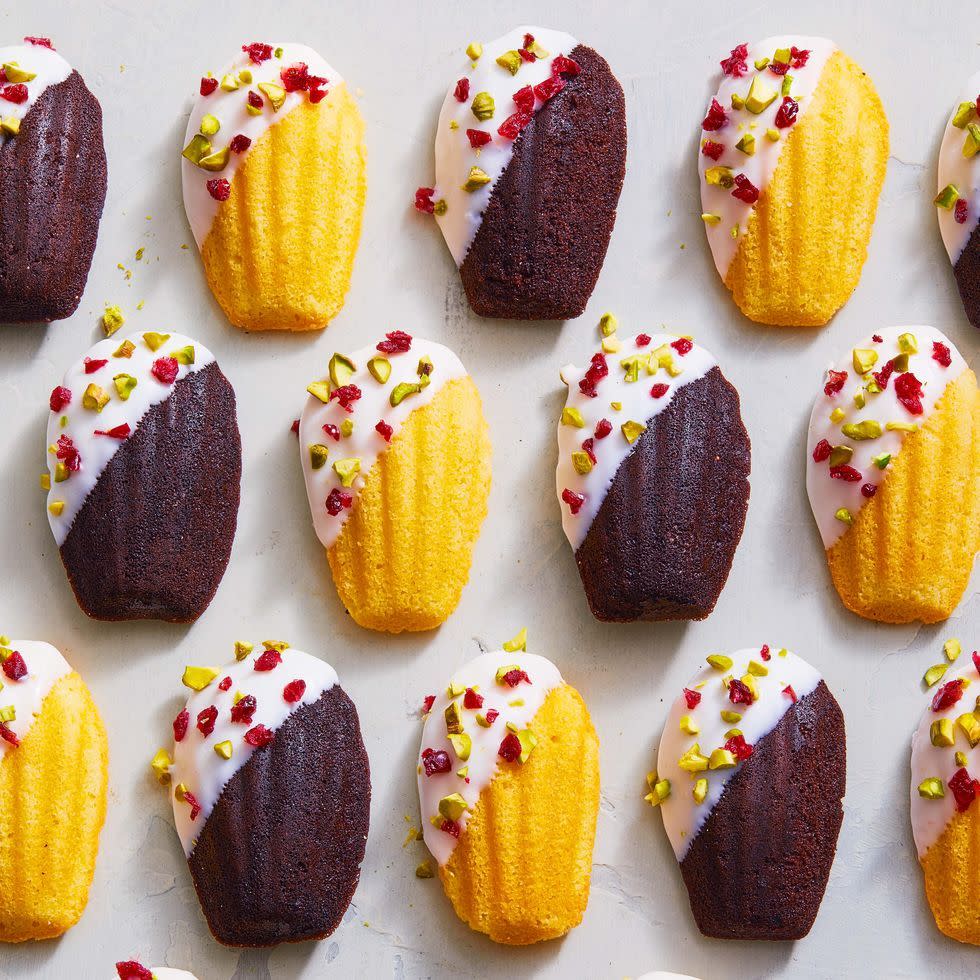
(934, 674)
(692, 760)
(528, 741)
(971, 145)
(347, 470)
(711, 219)
(276, 94)
(60, 472)
(452, 807)
(969, 724)
(839, 455)
(941, 733)
(476, 179)
(722, 759)
(402, 390)
(243, 649)
(511, 60)
(659, 791)
(961, 760)
(454, 718)
(737, 101)
(223, 749)
(844, 515)
(582, 462)
(483, 106)
(608, 324)
(632, 431)
(57, 507)
(10, 125)
(864, 359)
(380, 368)
(184, 355)
(160, 764)
(455, 689)
(729, 716)
(689, 726)
(95, 398)
(16, 75)
(860, 398)
(610, 345)
(902, 426)
(112, 320)
(197, 149)
(519, 642)
(45, 481)
(773, 135)
(757, 669)
(318, 455)
(719, 661)
(700, 790)
(209, 125)
(760, 96)
(746, 144)
(882, 460)
(863, 430)
(502, 672)
(155, 340)
(932, 789)
(720, 176)
(761, 63)
(947, 197)
(462, 745)
(836, 415)
(424, 870)
(320, 390)
(965, 112)
(125, 383)
(787, 86)
(229, 83)
(198, 678)
(952, 648)
(341, 369)
(473, 50)
(572, 416)
(346, 428)
(908, 344)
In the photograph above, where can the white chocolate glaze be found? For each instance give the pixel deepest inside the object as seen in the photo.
(828, 495)
(963, 173)
(931, 817)
(80, 424)
(683, 816)
(365, 443)
(197, 766)
(49, 67)
(230, 110)
(637, 405)
(45, 667)
(455, 156)
(760, 166)
(479, 674)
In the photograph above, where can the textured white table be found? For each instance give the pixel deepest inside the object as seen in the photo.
(143, 60)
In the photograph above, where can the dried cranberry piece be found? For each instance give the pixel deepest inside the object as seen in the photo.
(131, 970)
(165, 369)
(643, 339)
(423, 200)
(180, 725)
(715, 119)
(561, 65)
(384, 430)
(451, 827)
(243, 712)
(254, 100)
(345, 396)
(597, 370)
(510, 748)
(524, 99)
(478, 138)
(259, 736)
(14, 93)
(976, 660)
(948, 695)
(68, 454)
(799, 56)
(206, 720)
(739, 747)
(239, 143)
(116, 432)
(257, 52)
(434, 762)
(908, 388)
(472, 700)
(526, 55)
(93, 364)
(429, 700)
(191, 800)
(682, 345)
(573, 499)
(492, 715)
(960, 211)
(659, 390)
(14, 666)
(514, 677)
(876, 338)
(219, 188)
(294, 690)
(710, 148)
(739, 692)
(602, 428)
(745, 190)
(779, 67)
(60, 397)
(693, 698)
(786, 114)
(8, 736)
(513, 125)
(734, 64)
(964, 788)
(316, 93)
(331, 430)
(224, 684)
(869, 489)
(395, 342)
(208, 85)
(267, 660)
(528, 40)
(296, 78)
(588, 447)
(835, 382)
(462, 91)
(764, 652)
(40, 42)
(846, 473)
(790, 693)
(338, 500)
(821, 451)
(941, 354)
(549, 88)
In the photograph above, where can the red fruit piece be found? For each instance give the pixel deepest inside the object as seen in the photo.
(60, 397)
(131, 970)
(602, 428)
(116, 432)
(883, 376)
(869, 489)
(976, 660)
(14, 666)
(835, 381)
(429, 700)
(960, 211)
(434, 762)
(451, 827)
(764, 652)
(524, 99)
(68, 454)
(492, 715)
(588, 447)
(513, 125)
(948, 695)
(941, 354)
(294, 690)
(846, 473)
(346, 395)
(799, 56)
(396, 342)
(964, 788)
(423, 200)
(296, 78)
(745, 190)
(472, 700)
(643, 339)
(715, 119)
(786, 114)
(191, 800)
(384, 430)
(243, 711)
(40, 42)
(180, 725)
(331, 430)
(876, 338)
(462, 91)
(219, 188)
(8, 736)
(682, 345)
(779, 67)
(790, 693)
(693, 698)
(561, 65)
(659, 390)
(821, 451)
(239, 143)
(206, 720)
(14, 93)
(317, 94)
(526, 55)
(338, 500)
(739, 692)
(514, 677)
(257, 52)
(597, 370)
(224, 684)
(93, 364)
(165, 369)
(259, 736)
(739, 747)
(528, 41)
(549, 88)
(573, 499)
(510, 748)
(478, 138)
(254, 100)
(710, 148)
(208, 85)
(734, 64)
(267, 660)
(908, 388)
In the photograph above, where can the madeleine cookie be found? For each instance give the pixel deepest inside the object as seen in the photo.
(508, 777)
(946, 798)
(52, 182)
(792, 159)
(749, 781)
(274, 175)
(54, 761)
(958, 200)
(893, 465)
(271, 791)
(396, 457)
(652, 477)
(144, 466)
(530, 158)
(133, 970)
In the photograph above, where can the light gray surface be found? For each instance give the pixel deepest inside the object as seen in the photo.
(874, 920)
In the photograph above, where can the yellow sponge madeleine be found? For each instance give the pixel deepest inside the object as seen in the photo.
(53, 785)
(945, 803)
(396, 455)
(508, 777)
(274, 177)
(893, 475)
(792, 159)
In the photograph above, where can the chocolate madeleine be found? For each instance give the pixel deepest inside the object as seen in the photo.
(271, 794)
(753, 812)
(52, 183)
(654, 496)
(144, 473)
(528, 181)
